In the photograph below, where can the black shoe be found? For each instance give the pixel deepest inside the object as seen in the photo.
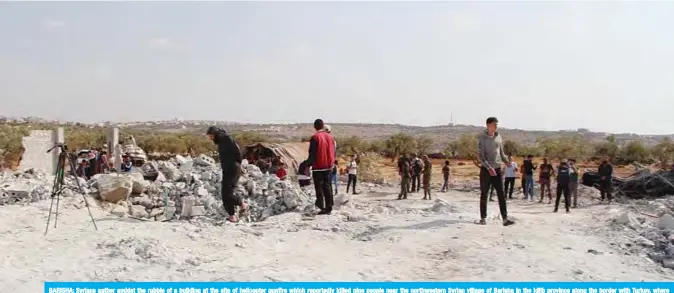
(554, 211)
(491, 199)
(482, 222)
(507, 222)
(568, 211)
(324, 212)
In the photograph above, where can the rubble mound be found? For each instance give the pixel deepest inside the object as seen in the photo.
(32, 186)
(187, 188)
(650, 232)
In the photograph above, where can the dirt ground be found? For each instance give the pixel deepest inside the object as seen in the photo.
(371, 238)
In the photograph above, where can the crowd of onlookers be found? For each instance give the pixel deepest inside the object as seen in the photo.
(97, 161)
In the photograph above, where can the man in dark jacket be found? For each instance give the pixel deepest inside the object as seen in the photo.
(563, 185)
(321, 159)
(404, 171)
(417, 167)
(230, 161)
(606, 175)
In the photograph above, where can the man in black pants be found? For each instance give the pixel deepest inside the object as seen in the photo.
(230, 161)
(563, 181)
(416, 174)
(606, 174)
(321, 159)
(491, 155)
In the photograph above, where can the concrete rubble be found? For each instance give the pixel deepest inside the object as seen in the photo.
(179, 188)
(186, 188)
(31, 186)
(647, 229)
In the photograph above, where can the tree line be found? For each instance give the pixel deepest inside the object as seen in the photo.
(465, 147)
(554, 148)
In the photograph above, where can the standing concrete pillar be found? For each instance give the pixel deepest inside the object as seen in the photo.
(114, 150)
(58, 136)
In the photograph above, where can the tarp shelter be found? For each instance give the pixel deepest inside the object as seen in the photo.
(291, 153)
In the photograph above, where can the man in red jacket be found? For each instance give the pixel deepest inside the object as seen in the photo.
(321, 159)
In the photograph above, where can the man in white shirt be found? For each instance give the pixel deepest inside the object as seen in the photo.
(510, 175)
(352, 168)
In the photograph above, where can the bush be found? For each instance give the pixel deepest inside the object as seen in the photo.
(467, 147)
(350, 145)
(399, 144)
(664, 151)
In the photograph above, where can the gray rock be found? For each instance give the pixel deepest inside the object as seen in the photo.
(138, 211)
(668, 263)
(666, 222)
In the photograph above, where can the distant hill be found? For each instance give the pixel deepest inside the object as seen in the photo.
(440, 134)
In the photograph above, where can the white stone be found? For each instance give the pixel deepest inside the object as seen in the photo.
(204, 160)
(113, 188)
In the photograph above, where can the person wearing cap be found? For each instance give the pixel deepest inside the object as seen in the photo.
(563, 180)
(328, 129)
(230, 161)
(321, 159)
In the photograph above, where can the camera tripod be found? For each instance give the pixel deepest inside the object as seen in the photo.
(58, 184)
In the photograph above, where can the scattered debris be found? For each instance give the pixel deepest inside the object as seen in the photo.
(642, 184)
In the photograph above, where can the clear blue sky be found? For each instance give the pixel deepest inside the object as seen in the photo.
(606, 66)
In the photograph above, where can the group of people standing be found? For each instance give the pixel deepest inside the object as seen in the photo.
(492, 160)
(411, 168)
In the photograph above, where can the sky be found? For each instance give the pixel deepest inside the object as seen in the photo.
(605, 66)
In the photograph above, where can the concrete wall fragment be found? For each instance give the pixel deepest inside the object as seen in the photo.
(35, 154)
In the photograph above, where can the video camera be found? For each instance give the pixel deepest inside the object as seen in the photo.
(61, 145)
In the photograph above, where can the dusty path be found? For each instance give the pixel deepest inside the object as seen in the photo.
(385, 240)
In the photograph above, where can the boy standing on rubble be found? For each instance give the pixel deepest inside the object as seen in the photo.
(230, 161)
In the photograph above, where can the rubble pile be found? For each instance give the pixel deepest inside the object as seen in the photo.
(185, 188)
(32, 186)
(648, 230)
(642, 184)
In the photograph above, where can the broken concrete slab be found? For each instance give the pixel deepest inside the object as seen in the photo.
(114, 188)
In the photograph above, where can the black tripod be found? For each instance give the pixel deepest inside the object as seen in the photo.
(58, 184)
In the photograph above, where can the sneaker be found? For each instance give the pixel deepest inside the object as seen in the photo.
(507, 222)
